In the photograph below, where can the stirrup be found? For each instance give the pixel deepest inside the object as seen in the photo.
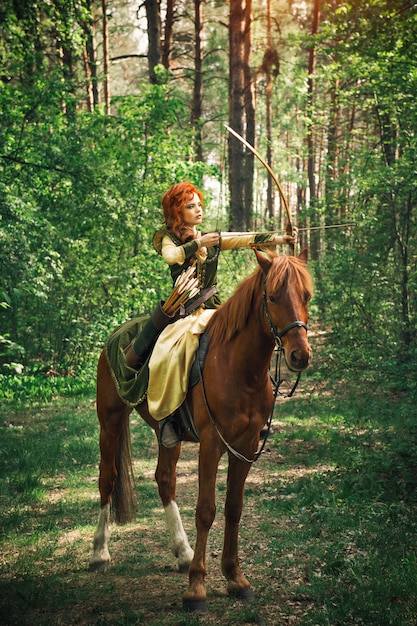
(167, 434)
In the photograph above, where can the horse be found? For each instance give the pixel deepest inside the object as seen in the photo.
(231, 404)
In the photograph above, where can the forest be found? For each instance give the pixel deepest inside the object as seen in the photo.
(104, 105)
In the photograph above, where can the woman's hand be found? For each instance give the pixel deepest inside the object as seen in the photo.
(209, 239)
(293, 238)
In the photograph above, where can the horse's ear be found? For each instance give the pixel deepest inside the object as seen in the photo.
(303, 256)
(263, 261)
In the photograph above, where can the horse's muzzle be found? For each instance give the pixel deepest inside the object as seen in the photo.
(299, 359)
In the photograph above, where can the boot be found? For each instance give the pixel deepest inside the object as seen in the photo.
(141, 346)
(167, 435)
(132, 359)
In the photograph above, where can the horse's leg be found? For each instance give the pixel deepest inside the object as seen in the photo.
(194, 598)
(112, 414)
(101, 555)
(237, 584)
(108, 447)
(166, 478)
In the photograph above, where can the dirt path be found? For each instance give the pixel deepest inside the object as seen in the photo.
(155, 588)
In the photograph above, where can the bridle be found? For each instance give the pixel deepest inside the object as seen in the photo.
(277, 336)
(276, 382)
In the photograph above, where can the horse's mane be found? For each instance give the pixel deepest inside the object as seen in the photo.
(232, 316)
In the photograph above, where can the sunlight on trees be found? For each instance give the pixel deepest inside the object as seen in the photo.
(94, 128)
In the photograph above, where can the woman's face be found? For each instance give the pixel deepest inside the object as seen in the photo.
(193, 211)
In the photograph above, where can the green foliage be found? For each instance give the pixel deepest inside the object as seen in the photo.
(80, 192)
(19, 387)
(350, 513)
(79, 210)
(366, 277)
(327, 534)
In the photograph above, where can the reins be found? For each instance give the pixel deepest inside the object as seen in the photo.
(276, 383)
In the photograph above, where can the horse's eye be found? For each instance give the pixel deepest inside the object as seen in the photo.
(273, 299)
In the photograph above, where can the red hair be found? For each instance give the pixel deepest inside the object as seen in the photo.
(174, 202)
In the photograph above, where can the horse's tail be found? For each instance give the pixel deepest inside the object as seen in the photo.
(122, 497)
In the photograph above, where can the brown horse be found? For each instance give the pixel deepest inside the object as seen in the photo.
(230, 405)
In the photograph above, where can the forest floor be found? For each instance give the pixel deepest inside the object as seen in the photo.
(328, 532)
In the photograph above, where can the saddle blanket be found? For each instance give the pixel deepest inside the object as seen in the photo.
(164, 377)
(131, 384)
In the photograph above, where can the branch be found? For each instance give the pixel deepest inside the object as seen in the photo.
(38, 165)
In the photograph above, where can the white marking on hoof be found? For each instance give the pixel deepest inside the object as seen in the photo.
(178, 541)
(101, 555)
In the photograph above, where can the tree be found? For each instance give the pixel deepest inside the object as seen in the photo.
(269, 67)
(197, 102)
(376, 151)
(311, 163)
(168, 35)
(106, 57)
(241, 114)
(153, 15)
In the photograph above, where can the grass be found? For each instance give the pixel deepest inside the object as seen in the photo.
(351, 510)
(328, 533)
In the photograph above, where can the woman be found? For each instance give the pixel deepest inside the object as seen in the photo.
(181, 243)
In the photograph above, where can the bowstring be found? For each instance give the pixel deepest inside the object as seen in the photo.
(221, 186)
(224, 258)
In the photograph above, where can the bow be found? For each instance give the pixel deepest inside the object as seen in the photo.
(273, 176)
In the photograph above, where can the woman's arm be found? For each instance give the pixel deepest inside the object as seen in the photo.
(245, 240)
(286, 239)
(176, 255)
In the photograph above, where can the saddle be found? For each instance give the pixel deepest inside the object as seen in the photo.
(132, 385)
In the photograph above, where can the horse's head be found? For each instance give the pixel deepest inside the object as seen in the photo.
(288, 288)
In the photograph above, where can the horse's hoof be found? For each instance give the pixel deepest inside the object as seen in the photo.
(99, 566)
(195, 606)
(245, 594)
(183, 568)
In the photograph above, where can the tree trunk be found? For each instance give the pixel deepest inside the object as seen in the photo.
(270, 61)
(89, 84)
(241, 114)
(153, 15)
(65, 62)
(332, 167)
(197, 103)
(90, 59)
(106, 57)
(315, 235)
(168, 34)
(249, 105)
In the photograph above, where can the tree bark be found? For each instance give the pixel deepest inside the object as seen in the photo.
(90, 60)
(106, 57)
(249, 104)
(311, 168)
(332, 167)
(270, 61)
(241, 114)
(168, 34)
(197, 103)
(153, 15)
(89, 84)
